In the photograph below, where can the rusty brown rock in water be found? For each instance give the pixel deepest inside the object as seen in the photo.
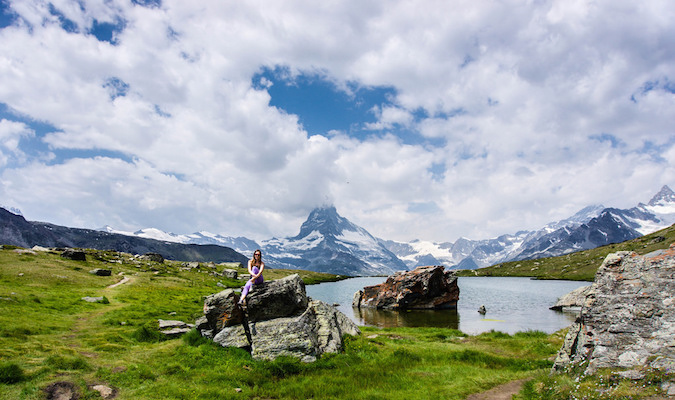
(429, 287)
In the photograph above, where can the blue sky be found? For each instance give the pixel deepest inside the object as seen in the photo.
(432, 120)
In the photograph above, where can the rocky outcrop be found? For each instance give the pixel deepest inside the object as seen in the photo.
(573, 300)
(278, 320)
(627, 320)
(423, 288)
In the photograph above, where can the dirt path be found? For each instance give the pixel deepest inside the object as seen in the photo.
(501, 392)
(122, 282)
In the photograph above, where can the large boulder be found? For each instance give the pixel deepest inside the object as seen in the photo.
(220, 311)
(627, 320)
(276, 299)
(428, 287)
(278, 320)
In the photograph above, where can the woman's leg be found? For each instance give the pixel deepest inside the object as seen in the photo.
(244, 292)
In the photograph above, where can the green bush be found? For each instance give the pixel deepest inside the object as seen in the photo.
(11, 373)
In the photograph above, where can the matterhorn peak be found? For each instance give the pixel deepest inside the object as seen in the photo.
(663, 197)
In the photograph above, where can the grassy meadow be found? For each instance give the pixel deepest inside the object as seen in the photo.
(578, 266)
(48, 334)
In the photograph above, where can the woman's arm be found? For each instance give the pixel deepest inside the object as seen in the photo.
(250, 267)
(260, 270)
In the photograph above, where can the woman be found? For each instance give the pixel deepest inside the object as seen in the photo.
(255, 268)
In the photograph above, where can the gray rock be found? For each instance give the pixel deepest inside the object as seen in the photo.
(90, 299)
(72, 254)
(155, 257)
(230, 273)
(232, 336)
(573, 300)
(101, 272)
(279, 321)
(276, 299)
(317, 331)
(220, 311)
(627, 320)
(173, 327)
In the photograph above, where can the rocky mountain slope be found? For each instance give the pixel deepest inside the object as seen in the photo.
(591, 227)
(15, 230)
(328, 242)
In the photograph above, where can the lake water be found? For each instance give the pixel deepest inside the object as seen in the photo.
(513, 305)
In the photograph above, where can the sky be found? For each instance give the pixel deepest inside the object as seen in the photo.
(423, 119)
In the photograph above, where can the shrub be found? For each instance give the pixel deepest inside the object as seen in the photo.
(11, 373)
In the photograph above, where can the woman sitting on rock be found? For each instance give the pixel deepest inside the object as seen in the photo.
(255, 268)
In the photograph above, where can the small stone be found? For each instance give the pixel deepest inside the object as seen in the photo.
(238, 390)
(101, 272)
(105, 391)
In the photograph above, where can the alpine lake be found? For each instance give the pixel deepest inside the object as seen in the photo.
(512, 304)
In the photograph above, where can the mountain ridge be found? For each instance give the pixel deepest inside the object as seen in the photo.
(329, 242)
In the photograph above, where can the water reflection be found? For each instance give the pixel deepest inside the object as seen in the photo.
(513, 305)
(410, 318)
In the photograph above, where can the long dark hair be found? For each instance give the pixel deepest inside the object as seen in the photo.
(254, 261)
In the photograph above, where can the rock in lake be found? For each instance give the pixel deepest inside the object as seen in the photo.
(627, 320)
(428, 287)
(278, 320)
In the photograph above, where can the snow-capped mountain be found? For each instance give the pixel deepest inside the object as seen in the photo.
(327, 242)
(239, 244)
(591, 227)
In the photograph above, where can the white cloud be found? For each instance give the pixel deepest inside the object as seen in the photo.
(11, 134)
(517, 98)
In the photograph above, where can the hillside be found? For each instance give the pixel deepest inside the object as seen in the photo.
(50, 337)
(581, 265)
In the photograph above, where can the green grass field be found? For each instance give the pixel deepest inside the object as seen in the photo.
(48, 334)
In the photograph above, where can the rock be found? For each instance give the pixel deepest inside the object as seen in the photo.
(72, 254)
(101, 272)
(90, 299)
(39, 248)
(173, 327)
(317, 331)
(279, 321)
(220, 311)
(627, 320)
(482, 310)
(276, 299)
(428, 287)
(155, 257)
(572, 300)
(230, 273)
(106, 392)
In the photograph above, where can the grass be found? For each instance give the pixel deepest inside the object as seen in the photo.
(581, 265)
(48, 334)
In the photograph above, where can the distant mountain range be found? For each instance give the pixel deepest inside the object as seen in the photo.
(328, 242)
(591, 227)
(15, 230)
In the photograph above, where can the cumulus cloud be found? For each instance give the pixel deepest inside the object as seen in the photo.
(532, 111)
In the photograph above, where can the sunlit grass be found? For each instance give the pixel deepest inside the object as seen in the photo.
(49, 334)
